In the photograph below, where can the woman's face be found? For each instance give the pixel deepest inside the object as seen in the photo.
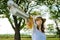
(39, 22)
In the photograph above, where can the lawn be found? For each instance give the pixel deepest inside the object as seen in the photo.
(27, 39)
(10, 37)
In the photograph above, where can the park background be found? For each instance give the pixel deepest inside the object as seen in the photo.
(49, 9)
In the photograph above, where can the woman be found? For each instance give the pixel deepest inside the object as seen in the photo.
(38, 29)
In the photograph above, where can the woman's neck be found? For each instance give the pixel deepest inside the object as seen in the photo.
(39, 28)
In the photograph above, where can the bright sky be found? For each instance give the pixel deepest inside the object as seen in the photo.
(5, 27)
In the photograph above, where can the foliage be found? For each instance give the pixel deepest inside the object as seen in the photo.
(50, 27)
(54, 14)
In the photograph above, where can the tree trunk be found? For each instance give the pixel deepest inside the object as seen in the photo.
(56, 23)
(58, 30)
(17, 34)
(17, 29)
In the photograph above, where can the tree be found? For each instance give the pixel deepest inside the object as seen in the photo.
(50, 27)
(55, 14)
(16, 22)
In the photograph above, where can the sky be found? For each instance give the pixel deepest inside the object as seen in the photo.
(5, 27)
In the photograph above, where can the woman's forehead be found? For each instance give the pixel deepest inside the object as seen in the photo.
(38, 19)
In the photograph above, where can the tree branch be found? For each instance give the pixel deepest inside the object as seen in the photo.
(20, 22)
(22, 25)
(15, 20)
(11, 23)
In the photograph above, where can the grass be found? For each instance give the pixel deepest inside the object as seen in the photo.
(10, 37)
(27, 38)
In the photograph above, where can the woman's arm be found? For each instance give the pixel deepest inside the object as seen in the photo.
(34, 26)
(31, 23)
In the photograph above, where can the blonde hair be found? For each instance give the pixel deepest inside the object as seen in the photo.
(30, 22)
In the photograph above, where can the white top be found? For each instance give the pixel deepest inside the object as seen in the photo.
(37, 35)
